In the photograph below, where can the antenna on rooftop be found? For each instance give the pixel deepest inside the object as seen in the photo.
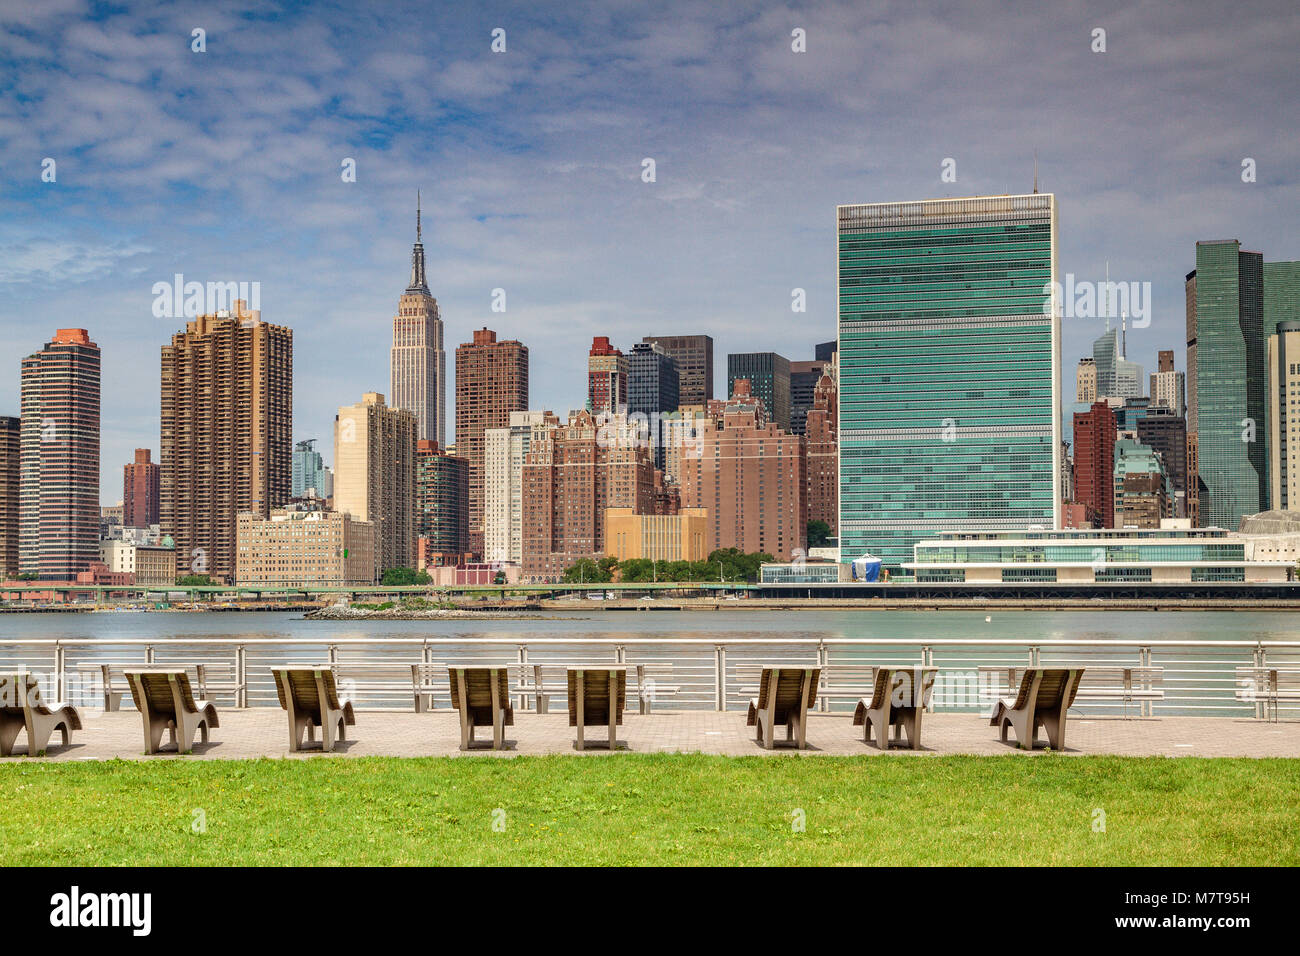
(1107, 295)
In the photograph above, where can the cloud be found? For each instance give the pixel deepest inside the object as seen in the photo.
(227, 163)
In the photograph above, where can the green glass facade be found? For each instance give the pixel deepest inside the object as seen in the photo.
(1227, 382)
(949, 371)
(1281, 294)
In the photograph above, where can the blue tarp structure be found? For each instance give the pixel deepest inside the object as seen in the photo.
(866, 568)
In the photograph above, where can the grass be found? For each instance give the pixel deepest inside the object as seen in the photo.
(653, 810)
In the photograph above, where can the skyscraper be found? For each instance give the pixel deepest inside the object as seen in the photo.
(1094, 463)
(374, 476)
(491, 382)
(226, 432)
(1281, 294)
(1116, 376)
(1165, 432)
(418, 364)
(1284, 416)
(570, 476)
(309, 472)
(949, 370)
(1085, 381)
(505, 450)
(1226, 381)
(693, 355)
(750, 476)
(804, 377)
(1141, 492)
(768, 375)
(10, 441)
(606, 377)
(140, 491)
(823, 453)
(653, 380)
(1168, 388)
(441, 501)
(58, 533)
(653, 390)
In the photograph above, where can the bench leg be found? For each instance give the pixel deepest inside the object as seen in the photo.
(9, 730)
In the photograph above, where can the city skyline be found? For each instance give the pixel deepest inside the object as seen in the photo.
(531, 165)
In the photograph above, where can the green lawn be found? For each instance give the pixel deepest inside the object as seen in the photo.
(653, 809)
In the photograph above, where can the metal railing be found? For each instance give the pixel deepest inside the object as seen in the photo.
(1198, 677)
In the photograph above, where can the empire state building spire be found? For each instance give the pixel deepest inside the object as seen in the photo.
(418, 364)
(418, 282)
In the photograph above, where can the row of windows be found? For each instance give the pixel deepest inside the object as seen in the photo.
(1079, 553)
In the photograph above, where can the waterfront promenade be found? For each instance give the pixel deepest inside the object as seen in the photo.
(263, 732)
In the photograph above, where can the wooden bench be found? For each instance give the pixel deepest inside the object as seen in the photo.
(646, 681)
(651, 683)
(208, 679)
(1101, 683)
(395, 679)
(213, 679)
(1268, 685)
(849, 682)
(111, 692)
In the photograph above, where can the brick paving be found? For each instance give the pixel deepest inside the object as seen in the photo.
(263, 732)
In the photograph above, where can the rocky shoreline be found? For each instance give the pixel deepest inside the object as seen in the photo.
(338, 612)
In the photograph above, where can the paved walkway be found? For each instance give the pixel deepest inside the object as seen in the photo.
(263, 732)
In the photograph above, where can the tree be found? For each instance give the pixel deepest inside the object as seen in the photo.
(587, 571)
(404, 577)
(499, 578)
(736, 565)
(819, 533)
(194, 581)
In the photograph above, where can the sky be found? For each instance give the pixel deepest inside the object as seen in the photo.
(227, 165)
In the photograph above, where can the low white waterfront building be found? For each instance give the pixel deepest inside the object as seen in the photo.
(1092, 555)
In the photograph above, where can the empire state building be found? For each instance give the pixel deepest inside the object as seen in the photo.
(418, 367)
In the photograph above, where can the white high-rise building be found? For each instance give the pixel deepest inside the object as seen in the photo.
(418, 369)
(503, 468)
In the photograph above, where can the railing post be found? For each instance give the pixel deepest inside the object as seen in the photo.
(523, 677)
(59, 662)
(1144, 659)
(241, 676)
(620, 654)
(720, 675)
(927, 658)
(148, 653)
(823, 660)
(1033, 655)
(1261, 699)
(333, 655)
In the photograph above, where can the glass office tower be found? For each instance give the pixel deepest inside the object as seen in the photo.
(949, 350)
(1226, 382)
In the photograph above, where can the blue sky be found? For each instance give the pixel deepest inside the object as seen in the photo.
(225, 166)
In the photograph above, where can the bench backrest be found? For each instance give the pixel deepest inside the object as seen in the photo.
(157, 690)
(301, 683)
(478, 685)
(1051, 686)
(597, 693)
(18, 691)
(784, 686)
